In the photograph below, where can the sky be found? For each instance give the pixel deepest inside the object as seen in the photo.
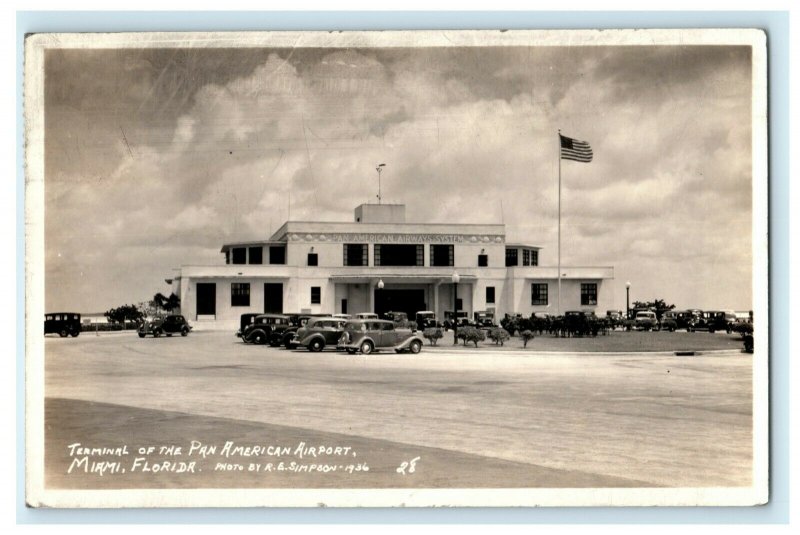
(156, 157)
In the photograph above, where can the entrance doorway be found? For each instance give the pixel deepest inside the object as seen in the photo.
(206, 299)
(273, 298)
(408, 301)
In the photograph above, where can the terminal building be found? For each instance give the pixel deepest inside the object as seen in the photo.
(379, 263)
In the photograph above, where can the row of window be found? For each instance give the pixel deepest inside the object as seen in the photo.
(240, 294)
(530, 257)
(255, 255)
(356, 254)
(539, 293)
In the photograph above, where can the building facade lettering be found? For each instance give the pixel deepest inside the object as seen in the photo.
(374, 237)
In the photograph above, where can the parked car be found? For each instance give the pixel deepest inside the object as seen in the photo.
(168, 325)
(296, 321)
(426, 319)
(463, 319)
(669, 321)
(710, 320)
(342, 316)
(397, 317)
(244, 321)
(615, 318)
(683, 318)
(319, 333)
(63, 324)
(730, 321)
(645, 320)
(366, 316)
(484, 319)
(370, 335)
(266, 328)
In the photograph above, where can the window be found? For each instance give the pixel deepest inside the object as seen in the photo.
(399, 255)
(240, 294)
(483, 260)
(356, 254)
(256, 255)
(511, 257)
(526, 257)
(312, 259)
(490, 295)
(316, 295)
(589, 293)
(277, 254)
(239, 255)
(538, 294)
(534, 257)
(227, 257)
(441, 255)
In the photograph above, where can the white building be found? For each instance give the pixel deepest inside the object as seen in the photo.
(379, 262)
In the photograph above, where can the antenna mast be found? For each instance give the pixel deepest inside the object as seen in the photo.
(379, 168)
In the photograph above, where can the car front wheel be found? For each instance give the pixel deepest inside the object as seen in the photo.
(415, 346)
(156, 333)
(316, 346)
(259, 338)
(184, 332)
(141, 335)
(367, 347)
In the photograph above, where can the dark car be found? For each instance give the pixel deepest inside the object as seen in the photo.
(397, 317)
(682, 318)
(319, 333)
(710, 320)
(484, 319)
(168, 325)
(244, 321)
(426, 319)
(62, 323)
(266, 328)
(668, 321)
(463, 319)
(368, 335)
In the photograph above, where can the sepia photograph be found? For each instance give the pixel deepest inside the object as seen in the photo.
(401, 268)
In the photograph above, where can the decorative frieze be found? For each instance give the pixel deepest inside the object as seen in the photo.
(375, 237)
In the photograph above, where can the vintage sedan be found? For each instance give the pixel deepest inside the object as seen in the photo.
(426, 319)
(646, 320)
(266, 328)
(319, 333)
(370, 335)
(246, 320)
(62, 323)
(711, 321)
(168, 325)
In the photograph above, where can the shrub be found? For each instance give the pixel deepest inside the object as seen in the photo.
(526, 336)
(498, 335)
(432, 334)
(743, 329)
(94, 327)
(471, 334)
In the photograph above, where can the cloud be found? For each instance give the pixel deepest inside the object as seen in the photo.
(231, 155)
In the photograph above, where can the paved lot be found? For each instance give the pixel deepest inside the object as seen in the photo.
(507, 419)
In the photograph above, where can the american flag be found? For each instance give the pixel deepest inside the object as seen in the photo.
(572, 149)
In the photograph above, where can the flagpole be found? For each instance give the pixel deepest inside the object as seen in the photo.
(558, 311)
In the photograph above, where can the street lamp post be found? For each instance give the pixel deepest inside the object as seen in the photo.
(628, 300)
(455, 278)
